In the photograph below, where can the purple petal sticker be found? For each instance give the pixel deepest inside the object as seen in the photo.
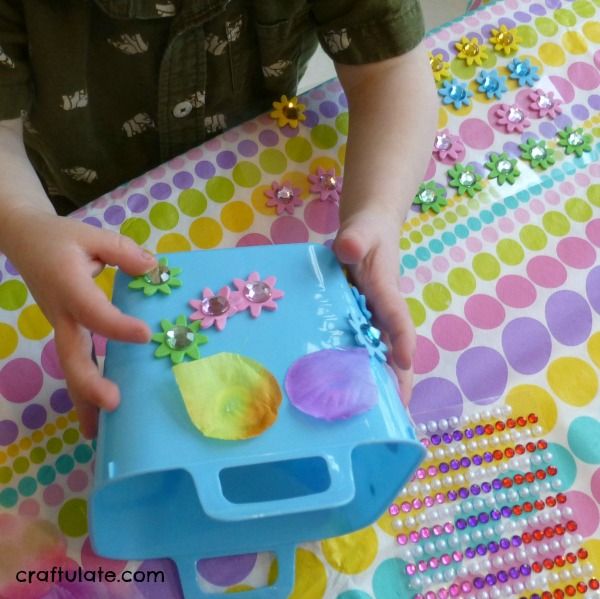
(332, 384)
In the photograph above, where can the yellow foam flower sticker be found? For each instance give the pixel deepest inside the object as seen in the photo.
(505, 40)
(288, 112)
(470, 51)
(439, 68)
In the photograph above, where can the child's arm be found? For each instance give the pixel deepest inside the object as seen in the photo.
(393, 117)
(57, 257)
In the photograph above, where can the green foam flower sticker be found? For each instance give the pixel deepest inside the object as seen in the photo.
(179, 340)
(430, 196)
(537, 153)
(502, 168)
(161, 278)
(575, 141)
(464, 179)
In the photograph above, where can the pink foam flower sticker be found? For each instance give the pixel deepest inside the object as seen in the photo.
(326, 184)
(448, 148)
(256, 294)
(544, 103)
(214, 308)
(283, 197)
(512, 118)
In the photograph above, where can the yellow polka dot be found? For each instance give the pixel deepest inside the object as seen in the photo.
(525, 399)
(593, 347)
(511, 84)
(12, 450)
(573, 380)
(2, 457)
(173, 242)
(386, 521)
(8, 340)
(33, 324)
(37, 436)
(574, 43)
(239, 588)
(593, 549)
(49, 429)
(300, 180)
(105, 280)
(552, 54)
(351, 553)
(259, 201)
(61, 422)
(442, 118)
(205, 232)
(417, 311)
(342, 154)
(591, 30)
(325, 163)
(237, 216)
(311, 577)
(73, 416)
(25, 443)
(462, 111)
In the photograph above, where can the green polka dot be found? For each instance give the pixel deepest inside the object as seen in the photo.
(450, 217)
(37, 455)
(164, 216)
(546, 26)
(54, 445)
(341, 123)
(27, 486)
(417, 311)
(5, 475)
(72, 518)
(593, 194)
(70, 436)
(273, 161)
(427, 230)
(246, 174)
(65, 464)
(83, 453)
(220, 189)
(583, 8)
(192, 202)
(46, 475)
(8, 497)
(416, 237)
(438, 223)
(460, 68)
(405, 244)
(323, 136)
(137, 229)
(462, 210)
(461, 281)
(578, 210)
(510, 252)
(436, 296)
(13, 295)
(486, 266)
(528, 36)
(556, 223)
(565, 17)
(298, 149)
(21, 465)
(533, 238)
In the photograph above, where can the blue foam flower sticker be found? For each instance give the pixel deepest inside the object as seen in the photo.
(456, 93)
(523, 71)
(491, 84)
(361, 300)
(368, 336)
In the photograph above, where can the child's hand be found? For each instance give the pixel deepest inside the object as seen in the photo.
(58, 258)
(368, 243)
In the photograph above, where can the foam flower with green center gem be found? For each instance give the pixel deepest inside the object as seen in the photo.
(456, 93)
(575, 141)
(162, 278)
(179, 340)
(464, 179)
(430, 196)
(537, 153)
(502, 168)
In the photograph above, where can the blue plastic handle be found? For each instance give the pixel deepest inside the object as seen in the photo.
(286, 562)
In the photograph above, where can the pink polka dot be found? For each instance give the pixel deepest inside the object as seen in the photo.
(317, 94)
(497, 9)
(506, 225)
(564, 88)
(552, 197)
(471, 21)
(457, 254)
(597, 58)
(476, 134)
(195, 153)
(595, 170)
(521, 215)
(213, 144)
(429, 43)
(50, 361)
(576, 252)
(117, 194)
(423, 274)
(546, 271)
(231, 136)
(430, 172)
(91, 561)
(29, 507)
(440, 264)
(567, 188)
(99, 344)
(536, 206)
(582, 180)
(426, 357)
(53, 495)
(157, 173)
(77, 480)
(583, 75)
(489, 234)
(407, 285)
(592, 230)
(595, 485)
(289, 229)
(484, 311)
(322, 217)
(474, 245)
(451, 332)
(581, 503)
(515, 291)
(443, 35)
(457, 28)
(137, 183)
(21, 380)
(253, 239)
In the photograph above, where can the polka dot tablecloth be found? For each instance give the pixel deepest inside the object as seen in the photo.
(504, 290)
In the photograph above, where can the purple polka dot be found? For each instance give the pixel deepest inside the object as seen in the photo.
(328, 109)
(34, 416)
(522, 16)
(183, 180)
(548, 130)
(569, 317)
(10, 268)
(594, 101)
(1, 276)
(268, 138)
(592, 286)
(8, 432)
(527, 345)
(170, 587)
(114, 215)
(226, 159)
(226, 571)
(434, 398)
(160, 191)
(343, 101)
(137, 202)
(60, 401)
(312, 118)
(93, 221)
(537, 9)
(512, 149)
(482, 374)
(486, 30)
(205, 169)
(21, 380)
(53, 494)
(580, 112)
(562, 121)
(552, 4)
(288, 131)
(509, 23)
(247, 148)
(445, 55)
(50, 362)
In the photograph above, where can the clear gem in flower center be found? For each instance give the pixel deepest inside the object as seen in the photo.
(467, 179)
(329, 183)
(490, 84)
(575, 138)
(257, 292)
(214, 306)
(179, 337)
(504, 166)
(371, 334)
(427, 196)
(522, 69)
(456, 92)
(538, 152)
(544, 102)
(515, 115)
(285, 194)
(159, 275)
(442, 142)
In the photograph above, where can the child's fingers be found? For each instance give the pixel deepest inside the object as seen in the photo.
(118, 250)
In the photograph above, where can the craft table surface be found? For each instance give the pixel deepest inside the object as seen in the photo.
(504, 290)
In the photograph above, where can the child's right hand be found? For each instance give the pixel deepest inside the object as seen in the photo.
(58, 258)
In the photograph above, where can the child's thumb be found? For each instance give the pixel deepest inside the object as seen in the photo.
(118, 250)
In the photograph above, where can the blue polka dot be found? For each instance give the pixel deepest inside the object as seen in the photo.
(461, 231)
(422, 254)
(569, 168)
(8, 497)
(389, 581)
(46, 475)
(557, 174)
(498, 209)
(535, 190)
(354, 595)
(583, 439)
(448, 238)
(564, 461)
(486, 217)
(474, 224)
(523, 196)
(409, 261)
(510, 202)
(27, 486)
(547, 181)
(580, 162)
(436, 246)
